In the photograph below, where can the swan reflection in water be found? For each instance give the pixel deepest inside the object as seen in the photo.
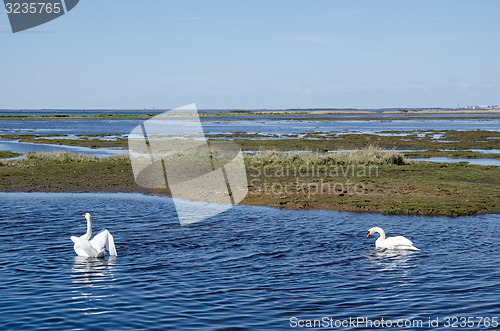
(93, 281)
(392, 259)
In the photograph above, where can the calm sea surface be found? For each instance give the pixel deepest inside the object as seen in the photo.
(263, 125)
(250, 268)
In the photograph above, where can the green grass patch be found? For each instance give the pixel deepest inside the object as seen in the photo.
(366, 180)
(7, 155)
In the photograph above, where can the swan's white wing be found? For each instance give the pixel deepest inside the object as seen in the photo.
(398, 242)
(83, 247)
(104, 240)
(100, 240)
(111, 245)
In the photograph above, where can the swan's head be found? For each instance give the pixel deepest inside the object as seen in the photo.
(374, 230)
(86, 215)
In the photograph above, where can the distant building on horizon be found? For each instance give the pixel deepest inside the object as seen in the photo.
(485, 107)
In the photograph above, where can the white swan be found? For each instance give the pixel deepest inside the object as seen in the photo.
(95, 247)
(398, 242)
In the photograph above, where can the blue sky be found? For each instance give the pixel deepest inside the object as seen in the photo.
(256, 54)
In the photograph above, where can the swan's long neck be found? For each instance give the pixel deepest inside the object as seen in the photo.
(88, 234)
(382, 234)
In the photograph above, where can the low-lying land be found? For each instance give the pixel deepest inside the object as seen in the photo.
(391, 186)
(429, 142)
(444, 143)
(315, 113)
(91, 141)
(8, 155)
(367, 180)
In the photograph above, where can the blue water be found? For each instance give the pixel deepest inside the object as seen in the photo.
(278, 126)
(25, 147)
(250, 268)
(368, 112)
(270, 128)
(482, 161)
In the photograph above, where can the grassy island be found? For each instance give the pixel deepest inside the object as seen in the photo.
(366, 180)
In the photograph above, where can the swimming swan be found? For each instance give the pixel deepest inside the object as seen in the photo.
(95, 247)
(398, 242)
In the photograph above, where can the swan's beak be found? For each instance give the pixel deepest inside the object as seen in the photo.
(368, 235)
(83, 215)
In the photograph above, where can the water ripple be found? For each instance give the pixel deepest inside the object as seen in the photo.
(249, 268)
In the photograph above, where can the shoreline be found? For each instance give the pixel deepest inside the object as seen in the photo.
(250, 113)
(393, 186)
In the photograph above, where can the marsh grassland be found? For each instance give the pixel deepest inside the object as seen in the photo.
(365, 180)
(429, 143)
(8, 155)
(339, 170)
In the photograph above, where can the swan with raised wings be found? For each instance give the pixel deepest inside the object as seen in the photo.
(398, 242)
(97, 246)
